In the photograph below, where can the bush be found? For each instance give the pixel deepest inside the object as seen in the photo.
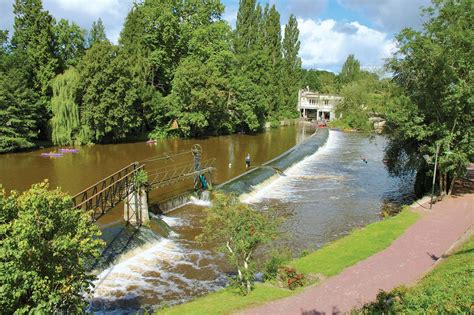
(289, 277)
(46, 248)
(271, 266)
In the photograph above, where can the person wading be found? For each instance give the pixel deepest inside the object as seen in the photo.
(247, 161)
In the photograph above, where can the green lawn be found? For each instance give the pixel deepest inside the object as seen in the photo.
(448, 289)
(329, 260)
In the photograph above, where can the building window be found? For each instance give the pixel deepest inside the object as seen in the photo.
(326, 102)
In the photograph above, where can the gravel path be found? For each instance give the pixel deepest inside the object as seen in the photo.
(405, 261)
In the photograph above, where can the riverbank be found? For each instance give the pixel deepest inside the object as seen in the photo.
(328, 261)
(404, 262)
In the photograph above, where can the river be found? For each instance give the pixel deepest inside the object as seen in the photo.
(324, 196)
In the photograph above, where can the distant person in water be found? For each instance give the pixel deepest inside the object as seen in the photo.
(247, 161)
(364, 159)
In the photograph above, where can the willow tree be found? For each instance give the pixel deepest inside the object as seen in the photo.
(66, 119)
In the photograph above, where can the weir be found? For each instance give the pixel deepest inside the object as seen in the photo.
(123, 186)
(258, 175)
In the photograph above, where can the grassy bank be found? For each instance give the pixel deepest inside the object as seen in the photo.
(329, 260)
(448, 289)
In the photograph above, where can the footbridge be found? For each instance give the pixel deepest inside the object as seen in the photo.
(125, 186)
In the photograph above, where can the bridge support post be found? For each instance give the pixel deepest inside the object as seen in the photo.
(136, 208)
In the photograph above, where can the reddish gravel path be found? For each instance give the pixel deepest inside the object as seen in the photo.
(406, 260)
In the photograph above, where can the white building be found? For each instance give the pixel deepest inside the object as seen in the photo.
(313, 105)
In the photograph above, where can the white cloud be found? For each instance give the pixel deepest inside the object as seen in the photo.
(112, 13)
(325, 44)
(390, 15)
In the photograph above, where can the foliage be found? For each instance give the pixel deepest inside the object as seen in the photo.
(329, 260)
(276, 260)
(448, 289)
(65, 121)
(18, 107)
(140, 180)
(319, 80)
(434, 68)
(108, 95)
(291, 67)
(350, 70)
(176, 61)
(97, 33)
(70, 43)
(241, 231)
(46, 246)
(290, 277)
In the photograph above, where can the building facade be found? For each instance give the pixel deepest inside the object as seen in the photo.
(313, 105)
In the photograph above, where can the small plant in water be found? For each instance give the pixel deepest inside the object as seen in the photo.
(140, 180)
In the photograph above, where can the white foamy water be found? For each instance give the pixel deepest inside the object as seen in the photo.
(166, 271)
(282, 187)
(171, 221)
(200, 202)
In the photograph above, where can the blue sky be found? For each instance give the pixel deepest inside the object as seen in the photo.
(330, 30)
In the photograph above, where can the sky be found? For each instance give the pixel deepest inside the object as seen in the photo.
(330, 30)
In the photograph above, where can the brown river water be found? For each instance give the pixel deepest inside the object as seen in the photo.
(326, 192)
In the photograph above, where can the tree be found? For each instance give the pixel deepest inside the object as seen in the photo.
(200, 95)
(33, 37)
(291, 67)
(350, 71)
(319, 80)
(70, 43)
(246, 27)
(108, 95)
(271, 31)
(46, 249)
(65, 122)
(241, 231)
(18, 106)
(97, 33)
(434, 67)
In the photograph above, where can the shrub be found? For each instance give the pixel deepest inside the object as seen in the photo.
(271, 266)
(46, 248)
(291, 278)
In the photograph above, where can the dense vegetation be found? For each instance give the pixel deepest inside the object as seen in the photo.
(46, 249)
(177, 61)
(432, 108)
(448, 289)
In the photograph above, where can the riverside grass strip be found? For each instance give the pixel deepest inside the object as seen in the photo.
(328, 261)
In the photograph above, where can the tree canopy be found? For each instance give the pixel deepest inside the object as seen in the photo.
(177, 61)
(434, 68)
(46, 249)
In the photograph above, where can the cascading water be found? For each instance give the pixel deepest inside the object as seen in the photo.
(325, 190)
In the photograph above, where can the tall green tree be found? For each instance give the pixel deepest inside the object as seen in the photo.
(33, 37)
(350, 71)
(271, 30)
(70, 43)
(96, 33)
(434, 67)
(18, 106)
(292, 74)
(65, 122)
(246, 27)
(46, 248)
(108, 95)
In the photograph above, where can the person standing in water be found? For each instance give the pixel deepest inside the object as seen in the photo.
(247, 161)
